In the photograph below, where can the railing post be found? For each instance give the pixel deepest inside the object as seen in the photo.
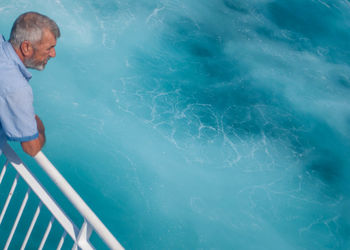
(84, 236)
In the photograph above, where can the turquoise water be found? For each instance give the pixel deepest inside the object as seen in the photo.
(220, 124)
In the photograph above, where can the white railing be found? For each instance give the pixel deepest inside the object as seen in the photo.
(80, 236)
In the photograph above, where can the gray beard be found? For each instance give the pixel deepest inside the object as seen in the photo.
(30, 63)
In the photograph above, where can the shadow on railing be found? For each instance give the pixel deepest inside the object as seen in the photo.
(80, 236)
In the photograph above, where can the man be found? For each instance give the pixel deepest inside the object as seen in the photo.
(32, 43)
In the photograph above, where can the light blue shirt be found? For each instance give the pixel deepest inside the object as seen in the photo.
(17, 116)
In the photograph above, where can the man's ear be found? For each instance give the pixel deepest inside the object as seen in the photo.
(26, 49)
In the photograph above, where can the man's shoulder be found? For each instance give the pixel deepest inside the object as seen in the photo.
(7, 65)
(11, 78)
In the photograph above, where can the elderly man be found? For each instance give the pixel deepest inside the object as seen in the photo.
(32, 43)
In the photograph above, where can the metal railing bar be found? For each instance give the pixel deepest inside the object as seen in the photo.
(60, 244)
(41, 192)
(77, 201)
(19, 215)
(48, 229)
(31, 226)
(83, 237)
(9, 198)
(3, 171)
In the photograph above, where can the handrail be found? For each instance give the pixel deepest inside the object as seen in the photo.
(77, 201)
(40, 191)
(91, 221)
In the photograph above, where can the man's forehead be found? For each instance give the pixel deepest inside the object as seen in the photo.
(48, 37)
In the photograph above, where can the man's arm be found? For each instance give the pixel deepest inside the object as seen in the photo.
(34, 146)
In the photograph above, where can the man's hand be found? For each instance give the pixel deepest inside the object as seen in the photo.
(34, 146)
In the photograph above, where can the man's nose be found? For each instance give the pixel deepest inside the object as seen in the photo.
(52, 52)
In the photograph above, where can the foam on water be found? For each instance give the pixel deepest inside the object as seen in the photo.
(202, 124)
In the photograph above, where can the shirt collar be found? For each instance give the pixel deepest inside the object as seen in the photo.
(11, 53)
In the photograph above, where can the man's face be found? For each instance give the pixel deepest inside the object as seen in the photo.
(43, 51)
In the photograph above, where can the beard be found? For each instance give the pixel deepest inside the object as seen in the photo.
(34, 64)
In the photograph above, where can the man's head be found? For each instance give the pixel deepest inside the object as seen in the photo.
(33, 36)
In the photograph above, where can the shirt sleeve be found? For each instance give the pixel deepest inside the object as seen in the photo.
(17, 115)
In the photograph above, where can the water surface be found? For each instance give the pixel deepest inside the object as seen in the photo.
(202, 124)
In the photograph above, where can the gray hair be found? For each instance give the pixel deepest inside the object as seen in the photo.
(29, 27)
